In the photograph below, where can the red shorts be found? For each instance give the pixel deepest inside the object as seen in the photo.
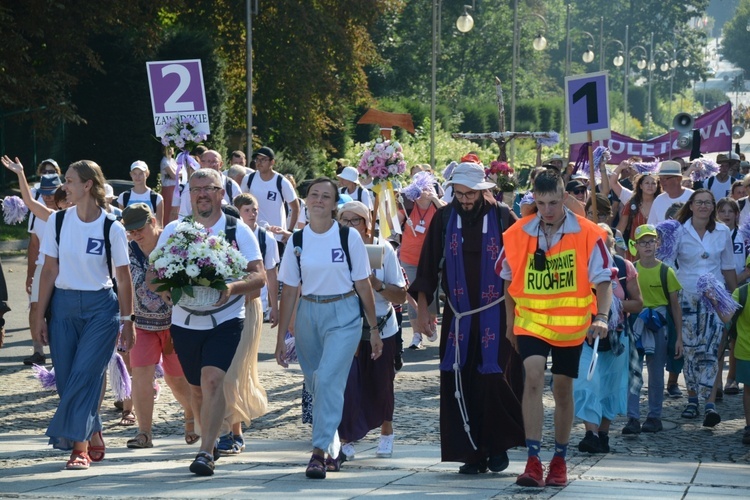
(149, 349)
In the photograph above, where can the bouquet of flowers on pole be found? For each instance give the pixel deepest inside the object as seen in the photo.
(180, 133)
(195, 265)
(384, 161)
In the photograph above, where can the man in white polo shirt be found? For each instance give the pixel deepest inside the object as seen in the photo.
(670, 177)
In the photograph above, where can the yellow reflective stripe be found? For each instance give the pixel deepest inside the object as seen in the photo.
(554, 303)
(545, 332)
(555, 320)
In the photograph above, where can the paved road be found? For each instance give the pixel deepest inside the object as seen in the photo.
(669, 463)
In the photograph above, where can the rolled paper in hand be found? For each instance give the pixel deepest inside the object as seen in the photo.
(375, 254)
(594, 358)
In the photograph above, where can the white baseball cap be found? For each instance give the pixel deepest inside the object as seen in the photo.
(138, 164)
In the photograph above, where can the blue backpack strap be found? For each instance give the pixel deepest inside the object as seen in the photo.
(230, 230)
(250, 180)
(59, 217)
(262, 242)
(154, 200)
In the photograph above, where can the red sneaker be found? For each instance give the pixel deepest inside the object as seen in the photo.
(533, 475)
(557, 474)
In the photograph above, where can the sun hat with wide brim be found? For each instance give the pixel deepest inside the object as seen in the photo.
(470, 175)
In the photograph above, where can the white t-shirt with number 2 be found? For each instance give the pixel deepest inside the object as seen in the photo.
(324, 267)
(81, 255)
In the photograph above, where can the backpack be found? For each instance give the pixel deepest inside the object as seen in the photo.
(230, 229)
(711, 179)
(278, 188)
(33, 217)
(343, 238)
(107, 244)
(359, 193)
(126, 199)
(262, 242)
(622, 274)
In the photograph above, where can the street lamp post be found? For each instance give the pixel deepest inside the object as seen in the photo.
(464, 24)
(251, 9)
(539, 43)
(651, 67)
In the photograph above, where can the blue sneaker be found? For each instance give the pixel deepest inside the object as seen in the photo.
(239, 444)
(225, 445)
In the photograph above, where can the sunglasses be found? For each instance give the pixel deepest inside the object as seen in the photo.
(579, 190)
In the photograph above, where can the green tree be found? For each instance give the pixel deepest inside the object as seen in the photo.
(737, 37)
(48, 51)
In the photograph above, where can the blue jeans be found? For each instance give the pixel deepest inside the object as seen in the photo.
(326, 337)
(83, 330)
(656, 363)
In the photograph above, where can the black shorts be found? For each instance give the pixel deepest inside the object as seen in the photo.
(198, 348)
(564, 359)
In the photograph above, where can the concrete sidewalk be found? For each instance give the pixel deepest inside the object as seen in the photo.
(274, 468)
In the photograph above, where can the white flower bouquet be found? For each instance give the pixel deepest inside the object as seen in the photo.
(181, 133)
(192, 258)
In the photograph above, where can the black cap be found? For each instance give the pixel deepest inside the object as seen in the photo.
(265, 151)
(573, 185)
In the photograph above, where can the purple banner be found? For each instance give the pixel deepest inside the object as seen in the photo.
(716, 136)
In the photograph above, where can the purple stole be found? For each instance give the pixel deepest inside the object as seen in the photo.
(492, 289)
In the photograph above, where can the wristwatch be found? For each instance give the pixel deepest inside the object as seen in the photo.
(130, 318)
(382, 287)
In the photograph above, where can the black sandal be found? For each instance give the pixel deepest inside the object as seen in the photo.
(334, 465)
(690, 411)
(316, 468)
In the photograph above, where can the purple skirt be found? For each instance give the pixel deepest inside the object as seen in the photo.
(368, 398)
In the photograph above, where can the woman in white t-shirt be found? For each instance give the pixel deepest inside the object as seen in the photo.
(141, 193)
(84, 318)
(369, 399)
(328, 322)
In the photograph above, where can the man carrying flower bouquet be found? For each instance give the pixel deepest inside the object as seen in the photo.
(206, 337)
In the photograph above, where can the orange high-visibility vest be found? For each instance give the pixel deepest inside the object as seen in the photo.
(555, 304)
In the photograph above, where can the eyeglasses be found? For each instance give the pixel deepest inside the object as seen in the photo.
(352, 222)
(204, 189)
(703, 203)
(599, 215)
(468, 195)
(49, 171)
(646, 243)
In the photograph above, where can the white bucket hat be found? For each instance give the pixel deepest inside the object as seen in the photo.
(470, 175)
(349, 174)
(670, 167)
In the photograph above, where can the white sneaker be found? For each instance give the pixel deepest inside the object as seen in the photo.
(433, 333)
(348, 450)
(416, 341)
(385, 447)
